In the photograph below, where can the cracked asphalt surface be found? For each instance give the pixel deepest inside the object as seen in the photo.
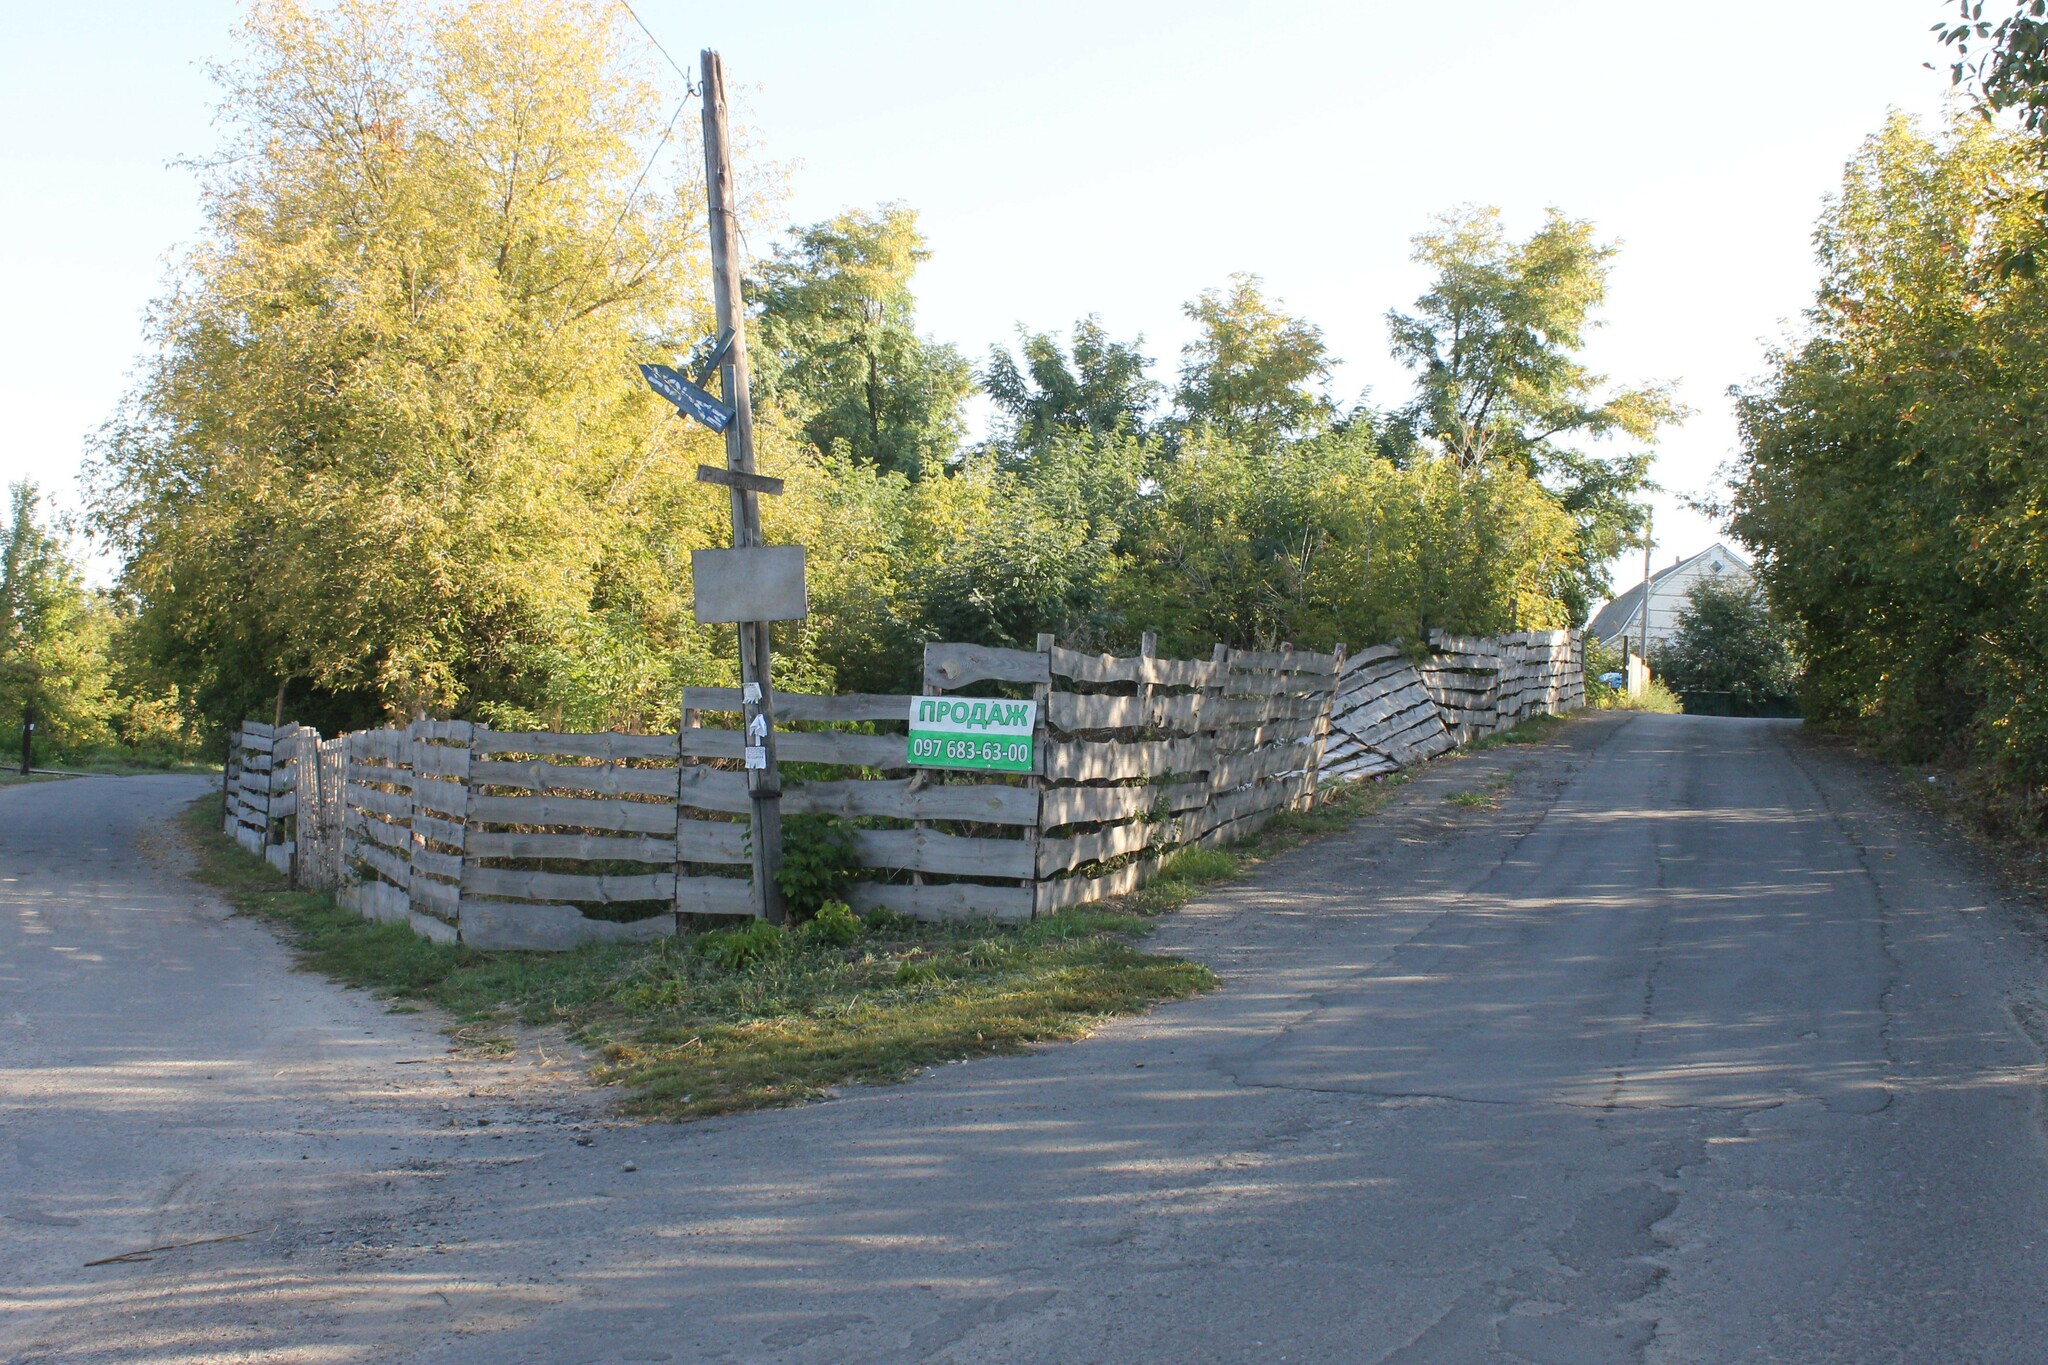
(1698, 1048)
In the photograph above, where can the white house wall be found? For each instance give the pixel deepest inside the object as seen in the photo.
(1668, 594)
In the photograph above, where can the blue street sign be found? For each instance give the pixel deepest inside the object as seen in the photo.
(687, 397)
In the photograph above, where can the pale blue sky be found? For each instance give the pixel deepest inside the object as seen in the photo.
(1110, 157)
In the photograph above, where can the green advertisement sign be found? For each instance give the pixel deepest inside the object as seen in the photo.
(992, 735)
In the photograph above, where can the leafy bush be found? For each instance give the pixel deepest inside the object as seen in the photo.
(737, 949)
(818, 863)
(835, 923)
(1728, 642)
(915, 974)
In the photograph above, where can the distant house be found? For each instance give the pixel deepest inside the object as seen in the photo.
(1668, 589)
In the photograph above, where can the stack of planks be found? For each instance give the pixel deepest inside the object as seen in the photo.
(1462, 676)
(261, 790)
(1384, 718)
(246, 813)
(1128, 756)
(1157, 755)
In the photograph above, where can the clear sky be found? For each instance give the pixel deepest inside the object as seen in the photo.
(1111, 157)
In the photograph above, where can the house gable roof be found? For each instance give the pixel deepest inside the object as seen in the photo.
(1610, 619)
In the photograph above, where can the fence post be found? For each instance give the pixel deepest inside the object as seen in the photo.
(1320, 738)
(440, 815)
(1041, 695)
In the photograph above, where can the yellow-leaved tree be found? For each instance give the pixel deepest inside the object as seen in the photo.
(389, 452)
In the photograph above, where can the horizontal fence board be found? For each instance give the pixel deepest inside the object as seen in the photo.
(798, 746)
(1065, 892)
(925, 850)
(795, 706)
(630, 817)
(988, 803)
(284, 804)
(992, 803)
(441, 831)
(1081, 805)
(1238, 768)
(949, 666)
(385, 863)
(448, 798)
(434, 864)
(1058, 855)
(436, 760)
(440, 896)
(1183, 672)
(458, 731)
(1073, 711)
(584, 847)
(957, 900)
(527, 927)
(392, 746)
(716, 789)
(607, 744)
(1083, 760)
(714, 896)
(711, 841)
(382, 802)
(511, 883)
(1094, 668)
(534, 775)
(382, 832)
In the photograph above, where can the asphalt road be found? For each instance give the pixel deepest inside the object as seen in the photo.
(1699, 1048)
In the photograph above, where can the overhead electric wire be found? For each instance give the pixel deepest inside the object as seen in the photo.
(688, 87)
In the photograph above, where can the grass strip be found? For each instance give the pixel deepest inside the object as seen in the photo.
(714, 1021)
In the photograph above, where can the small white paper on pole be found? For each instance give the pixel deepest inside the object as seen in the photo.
(757, 728)
(751, 693)
(757, 757)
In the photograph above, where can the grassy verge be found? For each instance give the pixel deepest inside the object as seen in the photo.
(11, 777)
(722, 1020)
(717, 1021)
(1534, 730)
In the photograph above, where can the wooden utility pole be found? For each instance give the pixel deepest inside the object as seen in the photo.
(764, 783)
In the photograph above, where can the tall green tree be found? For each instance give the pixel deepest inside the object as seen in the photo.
(1495, 344)
(1100, 387)
(1893, 469)
(54, 636)
(1252, 373)
(841, 353)
(1324, 540)
(2003, 63)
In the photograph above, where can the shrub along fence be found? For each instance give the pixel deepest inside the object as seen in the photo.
(539, 840)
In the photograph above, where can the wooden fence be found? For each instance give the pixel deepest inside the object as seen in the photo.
(541, 840)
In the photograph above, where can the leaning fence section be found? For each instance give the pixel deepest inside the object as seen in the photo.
(543, 840)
